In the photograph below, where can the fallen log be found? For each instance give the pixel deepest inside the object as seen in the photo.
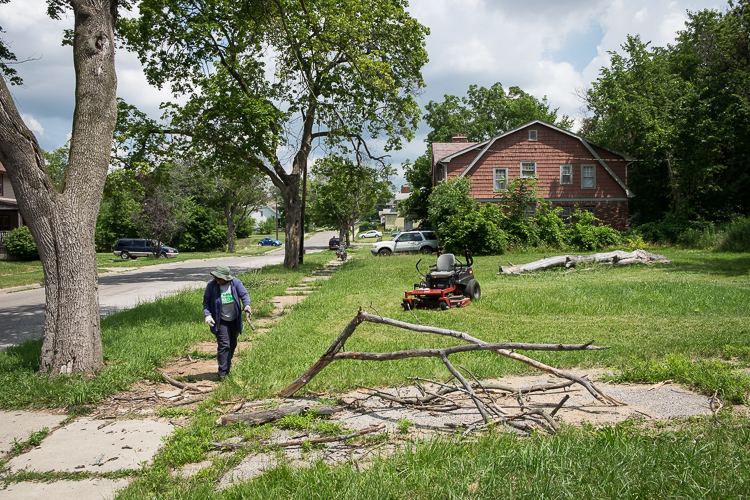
(617, 258)
(261, 417)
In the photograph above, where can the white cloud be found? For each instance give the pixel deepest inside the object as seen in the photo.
(33, 124)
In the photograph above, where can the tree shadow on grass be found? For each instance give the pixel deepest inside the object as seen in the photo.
(22, 357)
(719, 263)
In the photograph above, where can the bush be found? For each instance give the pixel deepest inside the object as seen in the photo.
(737, 236)
(366, 226)
(21, 245)
(268, 226)
(586, 236)
(478, 229)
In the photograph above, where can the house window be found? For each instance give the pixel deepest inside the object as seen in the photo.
(528, 169)
(530, 210)
(500, 180)
(532, 135)
(588, 176)
(566, 214)
(4, 222)
(566, 174)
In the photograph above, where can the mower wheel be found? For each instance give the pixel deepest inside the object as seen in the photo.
(473, 290)
(444, 305)
(406, 306)
(384, 252)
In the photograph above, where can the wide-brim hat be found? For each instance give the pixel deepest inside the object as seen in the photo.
(222, 272)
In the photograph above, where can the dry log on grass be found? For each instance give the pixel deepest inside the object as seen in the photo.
(261, 417)
(617, 258)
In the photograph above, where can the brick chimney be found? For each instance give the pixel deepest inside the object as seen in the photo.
(459, 138)
(405, 189)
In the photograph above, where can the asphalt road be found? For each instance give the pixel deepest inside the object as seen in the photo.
(22, 312)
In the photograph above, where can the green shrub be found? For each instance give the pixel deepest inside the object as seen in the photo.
(268, 226)
(587, 236)
(21, 245)
(366, 226)
(479, 229)
(736, 238)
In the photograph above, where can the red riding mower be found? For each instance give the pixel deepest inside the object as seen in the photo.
(450, 283)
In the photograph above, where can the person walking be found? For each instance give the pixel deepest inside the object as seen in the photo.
(224, 301)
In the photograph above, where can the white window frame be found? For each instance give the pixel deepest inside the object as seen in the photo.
(527, 164)
(584, 177)
(495, 179)
(569, 174)
(533, 135)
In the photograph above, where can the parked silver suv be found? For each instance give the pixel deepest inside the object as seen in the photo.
(410, 241)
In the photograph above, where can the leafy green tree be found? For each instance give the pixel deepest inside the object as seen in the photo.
(7, 57)
(344, 191)
(449, 199)
(342, 72)
(419, 178)
(484, 113)
(57, 164)
(63, 223)
(116, 220)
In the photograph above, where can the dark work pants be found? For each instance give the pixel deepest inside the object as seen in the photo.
(226, 338)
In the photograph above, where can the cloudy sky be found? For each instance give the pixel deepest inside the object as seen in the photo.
(548, 48)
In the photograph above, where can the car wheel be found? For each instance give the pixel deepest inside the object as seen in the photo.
(425, 250)
(473, 290)
(124, 255)
(384, 252)
(164, 255)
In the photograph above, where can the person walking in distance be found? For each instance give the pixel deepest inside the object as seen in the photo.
(224, 301)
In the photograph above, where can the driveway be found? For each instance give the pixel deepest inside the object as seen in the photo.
(22, 312)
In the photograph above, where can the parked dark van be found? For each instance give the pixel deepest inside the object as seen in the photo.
(132, 248)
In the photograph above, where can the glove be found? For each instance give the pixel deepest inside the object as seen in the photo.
(248, 310)
(209, 321)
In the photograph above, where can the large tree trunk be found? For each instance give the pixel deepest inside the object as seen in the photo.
(293, 205)
(63, 223)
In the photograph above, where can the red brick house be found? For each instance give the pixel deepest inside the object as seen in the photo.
(571, 170)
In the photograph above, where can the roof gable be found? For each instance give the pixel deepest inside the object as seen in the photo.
(481, 149)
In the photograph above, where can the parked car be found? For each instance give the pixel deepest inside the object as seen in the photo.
(407, 242)
(333, 243)
(269, 242)
(132, 248)
(371, 234)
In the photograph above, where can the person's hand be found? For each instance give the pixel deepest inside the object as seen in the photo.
(248, 310)
(209, 321)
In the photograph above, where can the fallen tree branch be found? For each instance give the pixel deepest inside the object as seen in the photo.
(261, 417)
(302, 442)
(617, 258)
(182, 385)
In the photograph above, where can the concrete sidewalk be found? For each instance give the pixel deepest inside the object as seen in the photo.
(81, 445)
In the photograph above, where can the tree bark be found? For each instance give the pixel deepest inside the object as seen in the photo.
(63, 223)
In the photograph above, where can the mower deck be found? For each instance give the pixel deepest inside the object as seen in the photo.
(432, 298)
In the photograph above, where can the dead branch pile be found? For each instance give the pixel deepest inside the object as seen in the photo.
(489, 411)
(616, 258)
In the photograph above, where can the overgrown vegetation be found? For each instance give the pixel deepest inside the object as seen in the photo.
(662, 322)
(20, 244)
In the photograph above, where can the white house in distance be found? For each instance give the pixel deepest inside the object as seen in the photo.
(264, 212)
(389, 215)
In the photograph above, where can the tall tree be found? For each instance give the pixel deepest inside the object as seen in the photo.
(63, 222)
(486, 112)
(344, 191)
(268, 80)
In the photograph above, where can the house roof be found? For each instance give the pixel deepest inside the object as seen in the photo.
(482, 148)
(443, 150)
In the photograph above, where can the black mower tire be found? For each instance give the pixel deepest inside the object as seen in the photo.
(444, 306)
(406, 306)
(473, 290)
(384, 252)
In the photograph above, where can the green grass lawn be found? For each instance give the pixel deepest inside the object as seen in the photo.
(689, 321)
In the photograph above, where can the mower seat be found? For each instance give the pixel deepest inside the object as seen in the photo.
(445, 267)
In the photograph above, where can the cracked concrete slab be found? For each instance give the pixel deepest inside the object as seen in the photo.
(95, 446)
(65, 490)
(18, 425)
